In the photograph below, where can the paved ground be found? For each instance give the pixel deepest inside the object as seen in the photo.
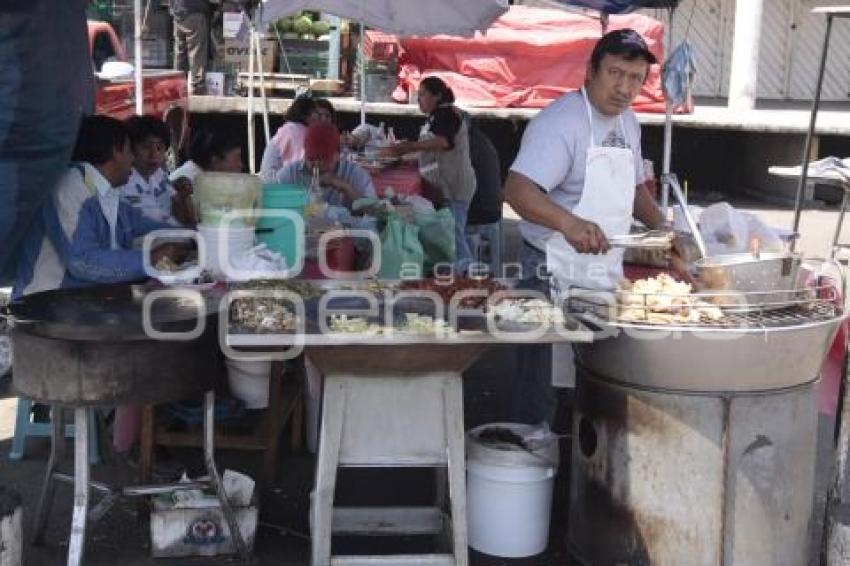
(121, 539)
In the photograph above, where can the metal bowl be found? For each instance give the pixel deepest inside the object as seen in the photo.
(689, 359)
(767, 279)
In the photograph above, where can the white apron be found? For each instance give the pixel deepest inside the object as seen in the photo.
(607, 199)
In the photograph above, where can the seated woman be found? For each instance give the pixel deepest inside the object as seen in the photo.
(288, 142)
(342, 182)
(324, 111)
(208, 151)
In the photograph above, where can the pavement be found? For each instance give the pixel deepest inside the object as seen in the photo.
(122, 538)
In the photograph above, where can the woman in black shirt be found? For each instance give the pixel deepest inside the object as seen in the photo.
(444, 160)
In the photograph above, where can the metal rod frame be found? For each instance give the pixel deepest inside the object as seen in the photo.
(82, 483)
(804, 166)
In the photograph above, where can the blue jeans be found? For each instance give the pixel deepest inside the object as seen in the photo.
(463, 255)
(534, 399)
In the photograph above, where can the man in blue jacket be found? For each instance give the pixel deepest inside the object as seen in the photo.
(84, 233)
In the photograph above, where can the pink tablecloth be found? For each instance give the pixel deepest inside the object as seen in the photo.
(404, 179)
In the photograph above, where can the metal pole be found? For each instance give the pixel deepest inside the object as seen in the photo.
(804, 166)
(137, 47)
(77, 541)
(215, 479)
(743, 74)
(252, 142)
(57, 448)
(362, 74)
(668, 131)
(333, 47)
(262, 87)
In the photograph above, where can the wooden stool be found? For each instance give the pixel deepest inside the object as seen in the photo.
(285, 403)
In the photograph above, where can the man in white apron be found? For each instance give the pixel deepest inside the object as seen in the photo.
(576, 181)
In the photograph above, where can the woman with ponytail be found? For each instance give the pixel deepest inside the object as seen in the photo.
(444, 159)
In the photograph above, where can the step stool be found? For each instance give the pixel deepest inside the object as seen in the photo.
(406, 420)
(24, 428)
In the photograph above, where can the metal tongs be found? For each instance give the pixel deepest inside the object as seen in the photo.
(673, 182)
(649, 240)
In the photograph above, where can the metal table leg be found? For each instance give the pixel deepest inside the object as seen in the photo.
(57, 448)
(82, 484)
(77, 542)
(840, 223)
(215, 479)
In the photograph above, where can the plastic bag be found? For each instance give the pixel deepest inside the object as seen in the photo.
(678, 74)
(437, 234)
(420, 205)
(726, 230)
(401, 252)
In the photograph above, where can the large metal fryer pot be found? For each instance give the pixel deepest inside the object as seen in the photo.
(690, 359)
(89, 346)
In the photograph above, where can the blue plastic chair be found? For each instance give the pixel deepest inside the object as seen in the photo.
(25, 428)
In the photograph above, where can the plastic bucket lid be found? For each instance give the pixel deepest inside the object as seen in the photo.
(220, 235)
(504, 455)
(284, 196)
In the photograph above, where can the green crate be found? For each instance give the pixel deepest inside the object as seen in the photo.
(305, 63)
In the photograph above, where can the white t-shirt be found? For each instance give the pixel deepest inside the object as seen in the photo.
(152, 195)
(554, 152)
(189, 170)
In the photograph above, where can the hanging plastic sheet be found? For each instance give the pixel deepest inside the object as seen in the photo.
(678, 74)
(46, 84)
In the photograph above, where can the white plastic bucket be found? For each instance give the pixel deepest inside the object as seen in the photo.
(237, 241)
(509, 495)
(249, 381)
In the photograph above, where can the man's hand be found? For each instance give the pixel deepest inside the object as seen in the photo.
(679, 261)
(331, 180)
(585, 236)
(182, 206)
(175, 252)
(183, 186)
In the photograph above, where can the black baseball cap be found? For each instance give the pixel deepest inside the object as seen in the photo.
(621, 42)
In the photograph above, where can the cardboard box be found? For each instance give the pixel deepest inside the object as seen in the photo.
(238, 52)
(232, 24)
(215, 84)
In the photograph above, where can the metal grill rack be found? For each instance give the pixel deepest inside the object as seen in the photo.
(749, 311)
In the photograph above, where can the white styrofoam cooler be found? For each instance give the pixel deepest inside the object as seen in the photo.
(198, 531)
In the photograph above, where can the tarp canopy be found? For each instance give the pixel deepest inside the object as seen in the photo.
(619, 6)
(46, 85)
(528, 58)
(402, 17)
